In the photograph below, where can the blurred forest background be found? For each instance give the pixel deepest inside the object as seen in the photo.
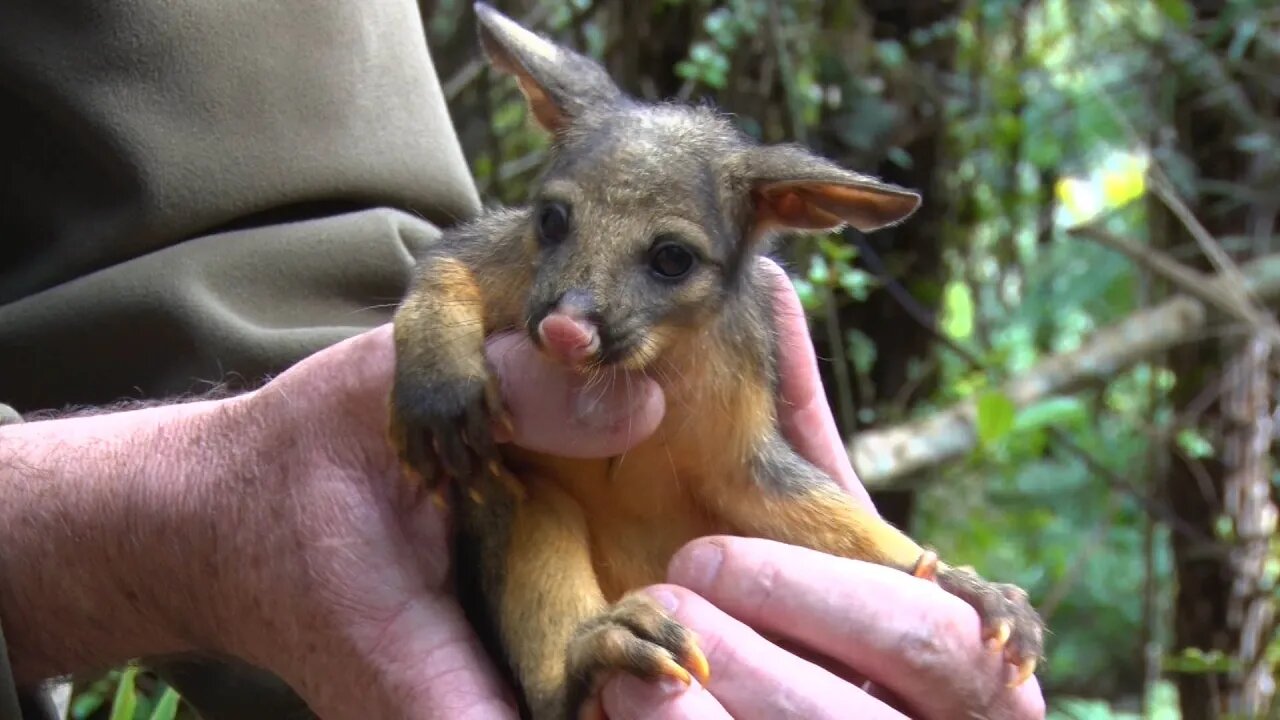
(1061, 370)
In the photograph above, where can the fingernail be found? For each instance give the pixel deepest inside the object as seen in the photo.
(697, 568)
(666, 599)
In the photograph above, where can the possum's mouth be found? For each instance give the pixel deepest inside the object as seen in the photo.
(568, 338)
(577, 342)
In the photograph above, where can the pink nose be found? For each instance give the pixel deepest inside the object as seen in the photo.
(568, 337)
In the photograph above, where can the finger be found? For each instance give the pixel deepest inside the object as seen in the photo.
(753, 678)
(803, 411)
(901, 632)
(627, 697)
(557, 411)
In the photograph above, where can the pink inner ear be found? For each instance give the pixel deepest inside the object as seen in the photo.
(790, 208)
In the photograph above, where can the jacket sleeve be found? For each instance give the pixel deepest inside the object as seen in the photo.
(205, 191)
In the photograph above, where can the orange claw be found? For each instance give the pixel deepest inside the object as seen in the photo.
(1001, 636)
(671, 668)
(437, 498)
(927, 566)
(1025, 671)
(700, 667)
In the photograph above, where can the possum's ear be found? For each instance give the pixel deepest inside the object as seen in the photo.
(793, 189)
(558, 84)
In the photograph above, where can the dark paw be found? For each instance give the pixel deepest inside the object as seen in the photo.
(1009, 623)
(444, 430)
(634, 636)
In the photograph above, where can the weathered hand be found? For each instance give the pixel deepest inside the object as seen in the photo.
(790, 632)
(271, 526)
(336, 578)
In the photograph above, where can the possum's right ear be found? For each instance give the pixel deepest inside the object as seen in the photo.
(558, 83)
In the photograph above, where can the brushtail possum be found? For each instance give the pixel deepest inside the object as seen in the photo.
(637, 250)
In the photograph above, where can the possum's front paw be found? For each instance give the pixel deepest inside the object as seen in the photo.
(635, 636)
(444, 430)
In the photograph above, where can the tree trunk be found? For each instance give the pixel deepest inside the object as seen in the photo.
(1219, 605)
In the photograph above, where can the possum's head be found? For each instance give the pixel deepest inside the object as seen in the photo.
(648, 215)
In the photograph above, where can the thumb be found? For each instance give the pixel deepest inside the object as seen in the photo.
(561, 412)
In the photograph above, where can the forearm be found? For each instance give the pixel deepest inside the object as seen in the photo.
(90, 549)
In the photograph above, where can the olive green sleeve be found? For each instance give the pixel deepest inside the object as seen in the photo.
(198, 192)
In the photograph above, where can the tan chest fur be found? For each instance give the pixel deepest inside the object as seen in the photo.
(641, 507)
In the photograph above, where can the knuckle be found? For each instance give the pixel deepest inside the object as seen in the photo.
(932, 646)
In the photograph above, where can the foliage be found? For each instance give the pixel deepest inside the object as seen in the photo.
(127, 700)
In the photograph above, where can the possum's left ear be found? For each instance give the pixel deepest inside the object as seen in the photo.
(558, 83)
(793, 189)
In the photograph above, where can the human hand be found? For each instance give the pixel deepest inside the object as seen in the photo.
(790, 632)
(336, 574)
(273, 527)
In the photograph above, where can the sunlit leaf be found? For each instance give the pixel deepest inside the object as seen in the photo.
(1123, 185)
(167, 707)
(1177, 12)
(126, 698)
(995, 416)
(1052, 412)
(819, 271)
(957, 310)
(1195, 445)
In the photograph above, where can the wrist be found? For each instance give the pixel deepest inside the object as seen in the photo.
(98, 535)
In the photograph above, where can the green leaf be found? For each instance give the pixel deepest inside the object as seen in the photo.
(126, 699)
(809, 298)
(819, 271)
(837, 251)
(957, 310)
(1177, 12)
(1195, 445)
(995, 416)
(1051, 412)
(858, 283)
(167, 707)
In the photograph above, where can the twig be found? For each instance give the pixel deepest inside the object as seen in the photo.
(1184, 278)
(905, 300)
(1236, 289)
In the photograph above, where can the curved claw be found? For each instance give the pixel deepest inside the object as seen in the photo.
(1000, 637)
(927, 566)
(671, 668)
(696, 661)
(1025, 671)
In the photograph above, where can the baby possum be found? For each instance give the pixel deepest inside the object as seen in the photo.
(638, 250)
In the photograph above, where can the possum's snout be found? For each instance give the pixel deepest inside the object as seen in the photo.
(569, 338)
(569, 331)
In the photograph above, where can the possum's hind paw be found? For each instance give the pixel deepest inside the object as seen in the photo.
(1010, 625)
(635, 636)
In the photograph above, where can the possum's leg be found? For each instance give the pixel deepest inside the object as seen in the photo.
(792, 501)
(445, 396)
(560, 636)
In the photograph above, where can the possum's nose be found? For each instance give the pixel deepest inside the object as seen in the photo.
(569, 331)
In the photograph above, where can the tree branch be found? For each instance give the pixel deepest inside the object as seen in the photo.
(883, 457)
(1192, 282)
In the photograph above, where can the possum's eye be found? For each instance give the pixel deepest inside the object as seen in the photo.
(670, 259)
(553, 223)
